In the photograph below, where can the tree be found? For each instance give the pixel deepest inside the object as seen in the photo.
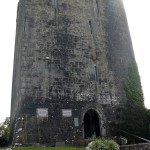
(4, 132)
(134, 117)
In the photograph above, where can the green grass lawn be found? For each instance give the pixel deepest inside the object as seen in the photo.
(45, 148)
(48, 148)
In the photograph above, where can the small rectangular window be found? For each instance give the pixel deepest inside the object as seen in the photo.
(95, 73)
(90, 24)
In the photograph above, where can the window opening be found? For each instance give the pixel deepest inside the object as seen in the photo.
(97, 6)
(24, 28)
(90, 24)
(95, 73)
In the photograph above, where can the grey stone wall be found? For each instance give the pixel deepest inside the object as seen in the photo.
(120, 51)
(70, 57)
(142, 146)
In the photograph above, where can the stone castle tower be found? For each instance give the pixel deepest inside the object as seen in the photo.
(71, 61)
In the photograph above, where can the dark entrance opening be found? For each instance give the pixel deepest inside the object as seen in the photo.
(91, 124)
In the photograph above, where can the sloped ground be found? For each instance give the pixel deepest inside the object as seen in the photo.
(43, 148)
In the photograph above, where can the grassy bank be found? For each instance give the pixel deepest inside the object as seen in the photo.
(45, 148)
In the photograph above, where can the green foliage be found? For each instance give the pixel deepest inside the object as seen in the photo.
(4, 132)
(133, 86)
(134, 117)
(134, 120)
(102, 144)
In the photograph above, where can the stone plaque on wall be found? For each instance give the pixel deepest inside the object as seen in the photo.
(42, 112)
(66, 112)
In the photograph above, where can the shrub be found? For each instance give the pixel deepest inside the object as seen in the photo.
(133, 118)
(102, 144)
(4, 132)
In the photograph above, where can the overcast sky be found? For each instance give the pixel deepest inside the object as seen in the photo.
(138, 14)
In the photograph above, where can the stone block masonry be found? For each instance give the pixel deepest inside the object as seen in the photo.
(140, 146)
(71, 59)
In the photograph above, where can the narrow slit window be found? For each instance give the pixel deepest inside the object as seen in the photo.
(24, 28)
(97, 6)
(90, 24)
(95, 73)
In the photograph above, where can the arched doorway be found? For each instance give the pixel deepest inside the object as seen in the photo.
(91, 124)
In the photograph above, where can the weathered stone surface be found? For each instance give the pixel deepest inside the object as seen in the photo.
(141, 146)
(69, 55)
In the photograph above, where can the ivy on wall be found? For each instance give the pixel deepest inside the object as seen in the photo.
(134, 117)
(133, 86)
